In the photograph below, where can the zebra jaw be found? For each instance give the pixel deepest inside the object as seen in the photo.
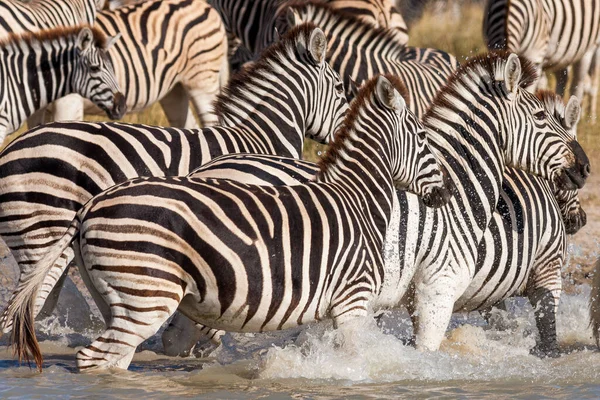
(119, 106)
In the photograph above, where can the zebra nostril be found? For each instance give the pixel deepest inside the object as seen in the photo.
(586, 170)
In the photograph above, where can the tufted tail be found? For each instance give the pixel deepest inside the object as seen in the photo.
(19, 313)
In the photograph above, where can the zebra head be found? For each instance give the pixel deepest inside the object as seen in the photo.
(414, 167)
(94, 77)
(573, 215)
(531, 138)
(326, 94)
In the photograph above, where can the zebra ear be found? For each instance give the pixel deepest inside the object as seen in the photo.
(512, 73)
(317, 46)
(110, 41)
(388, 95)
(85, 39)
(572, 113)
(100, 4)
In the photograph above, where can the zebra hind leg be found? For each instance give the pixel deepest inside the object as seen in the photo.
(128, 328)
(183, 336)
(176, 105)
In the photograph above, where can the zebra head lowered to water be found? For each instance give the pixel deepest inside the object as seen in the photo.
(243, 257)
(38, 68)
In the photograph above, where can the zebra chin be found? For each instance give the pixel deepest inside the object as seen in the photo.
(575, 221)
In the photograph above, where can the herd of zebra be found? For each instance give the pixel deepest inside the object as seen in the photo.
(445, 187)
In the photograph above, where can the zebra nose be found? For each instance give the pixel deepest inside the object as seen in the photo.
(119, 106)
(586, 170)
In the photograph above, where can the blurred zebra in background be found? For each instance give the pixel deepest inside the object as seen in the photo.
(243, 257)
(171, 51)
(251, 23)
(37, 68)
(357, 51)
(50, 172)
(553, 34)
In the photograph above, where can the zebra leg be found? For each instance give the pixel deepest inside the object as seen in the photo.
(68, 108)
(203, 103)
(85, 277)
(37, 118)
(49, 303)
(562, 77)
(183, 334)
(580, 72)
(128, 327)
(545, 304)
(176, 105)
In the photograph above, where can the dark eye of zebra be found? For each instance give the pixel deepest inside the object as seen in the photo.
(95, 68)
(540, 115)
(421, 135)
(339, 87)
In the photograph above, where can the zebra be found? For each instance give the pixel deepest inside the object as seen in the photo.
(37, 68)
(171, 51)
(485, 103)
(251, 23)
(358, 51)
(554, 34)
(19, 17)
(269, 108)
(334, 272)
(525, 239)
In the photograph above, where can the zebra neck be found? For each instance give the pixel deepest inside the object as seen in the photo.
(270, 117)
(38, 73)
(361, 167)
(468, 142)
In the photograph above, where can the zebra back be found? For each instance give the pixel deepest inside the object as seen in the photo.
(17, 16)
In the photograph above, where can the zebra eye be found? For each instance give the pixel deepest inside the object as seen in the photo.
(421, 135)
(339, 87)
(95, 68)
(540, 115)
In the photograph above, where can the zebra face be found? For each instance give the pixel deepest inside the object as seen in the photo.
(534, 140)
(414, 167)
(95, 78)
(326, 97)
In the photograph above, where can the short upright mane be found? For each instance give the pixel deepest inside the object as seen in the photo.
(340, 14)
(364, 95)
(487, 65)
(53, 34)
(260, 68)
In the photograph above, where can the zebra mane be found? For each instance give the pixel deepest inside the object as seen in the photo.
(53, 34)
(340, 14)
(242, 81)
(552, 101)
(488, 66)
(364, 95)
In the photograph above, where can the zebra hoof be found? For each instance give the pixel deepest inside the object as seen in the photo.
(546, 351)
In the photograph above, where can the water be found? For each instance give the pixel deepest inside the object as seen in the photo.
(476, 360)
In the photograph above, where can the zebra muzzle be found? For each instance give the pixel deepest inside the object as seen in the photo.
(119, 106)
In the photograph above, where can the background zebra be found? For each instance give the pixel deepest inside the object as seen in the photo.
(358, 51)
(554, 34)
(237, 262)
(19, 16)
(50, 172)
(171, 51)
(37, 68)
(251, 23)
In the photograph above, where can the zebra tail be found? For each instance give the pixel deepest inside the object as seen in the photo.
(20, 309)
(595, 303)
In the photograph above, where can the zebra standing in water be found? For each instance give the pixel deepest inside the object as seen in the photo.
(553, 34)
(37, 68)
(491, 87)
(523, 249)
(50, 172)
(171, 51)
(358, 51)
(236, 261)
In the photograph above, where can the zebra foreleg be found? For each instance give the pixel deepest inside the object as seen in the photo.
(203, 103)
(176, 105)
(562, 77)
(544, 304)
